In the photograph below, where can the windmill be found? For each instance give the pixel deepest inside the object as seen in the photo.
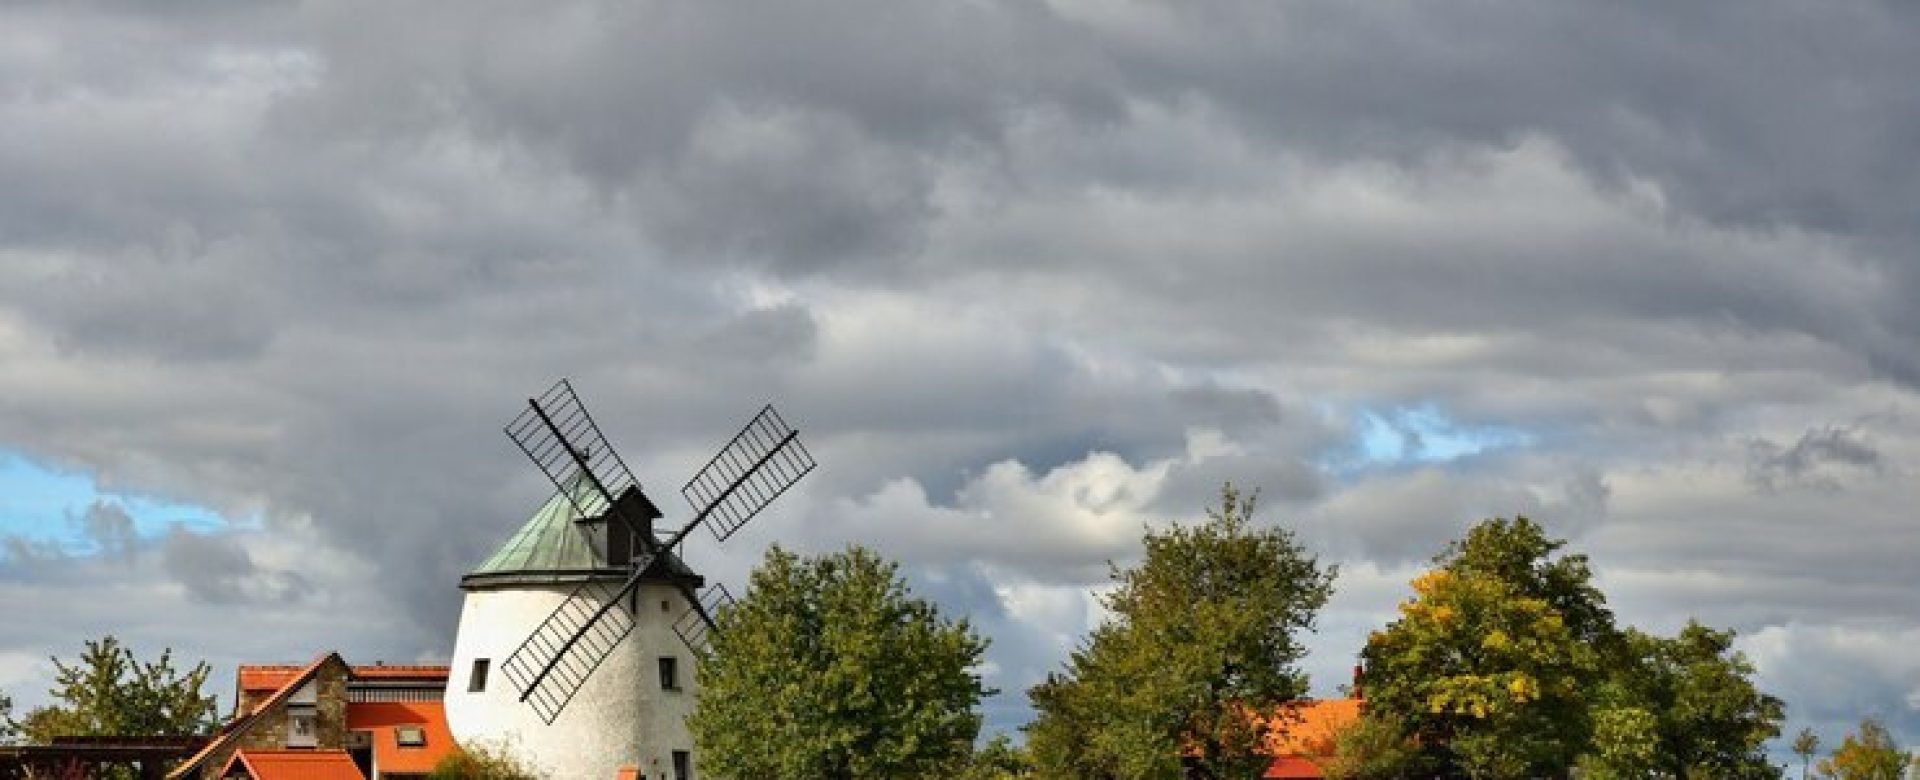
(567, 591)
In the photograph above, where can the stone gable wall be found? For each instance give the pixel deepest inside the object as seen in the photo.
(268, 729)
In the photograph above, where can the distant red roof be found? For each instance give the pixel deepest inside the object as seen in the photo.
(383, 718)
(295, 765)
(627, 773)
(1305, 734)
(270, 677)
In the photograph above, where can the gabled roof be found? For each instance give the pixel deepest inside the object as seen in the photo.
(295, 765)
(380, 719)
(239, 724)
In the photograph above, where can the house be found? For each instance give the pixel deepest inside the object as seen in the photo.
(328, 720)
(1305, 735)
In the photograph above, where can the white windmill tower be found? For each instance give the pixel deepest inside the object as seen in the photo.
(577, 636)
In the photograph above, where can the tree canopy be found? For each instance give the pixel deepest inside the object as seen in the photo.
(1507, 663)
(109, 692)
(830, 668)
(1201, 647)
(1867, 754)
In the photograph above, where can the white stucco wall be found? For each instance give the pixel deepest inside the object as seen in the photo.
(620, 716)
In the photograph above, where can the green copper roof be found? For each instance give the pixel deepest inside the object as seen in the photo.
(549, 541)
(551, 547)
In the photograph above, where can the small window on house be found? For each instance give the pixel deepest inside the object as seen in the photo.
(682, 765)
(410, 736)
(477, 681)
(301, 731)
(669, 673)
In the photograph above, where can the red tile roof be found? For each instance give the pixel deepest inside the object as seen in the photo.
(295, 765)
(269, 677)
(1304, 734)
(381, 718)
(627, 773)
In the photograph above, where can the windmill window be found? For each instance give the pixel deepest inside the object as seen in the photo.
(477, 681)
(669, 673)
(410, 736)
(682, 765)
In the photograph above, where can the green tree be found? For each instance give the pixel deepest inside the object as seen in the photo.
(999, 759)
(1867, 754)
(482, 761)
(110, 692)
(1805, 745)
(1710, 719)
(7, 730)
(829, 668)
(1202, 645)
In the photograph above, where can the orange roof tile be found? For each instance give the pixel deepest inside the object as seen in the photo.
(1293, 768)
(1309, 728)
(296, 765)
(269, 677)
(627, 773)
(392, 672)
(380, 719)
(266, 677)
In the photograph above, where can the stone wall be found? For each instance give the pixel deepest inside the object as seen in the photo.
(267, 729)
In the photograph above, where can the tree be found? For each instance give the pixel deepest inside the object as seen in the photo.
(7, 730)
(1489, 680)
(1867, 754)
(999, 759)
(482, 761)
(1709, 718)
(1507, 663)
(1805, 744)
(108, 692)
(829, 668)
(1201, 648)
(1490, 665)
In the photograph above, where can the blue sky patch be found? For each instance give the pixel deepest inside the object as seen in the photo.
(44, 504)
(1424, 434)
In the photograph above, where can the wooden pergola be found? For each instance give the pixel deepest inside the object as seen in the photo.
(79, 758)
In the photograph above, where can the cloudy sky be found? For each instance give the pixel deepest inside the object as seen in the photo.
(1029, 273)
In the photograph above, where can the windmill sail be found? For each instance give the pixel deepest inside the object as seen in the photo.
(559, 436)
(549, 667)
(761, 462)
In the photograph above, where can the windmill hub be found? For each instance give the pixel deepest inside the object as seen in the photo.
(568, 661)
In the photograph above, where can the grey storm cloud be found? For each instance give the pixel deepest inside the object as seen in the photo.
(1030, 275)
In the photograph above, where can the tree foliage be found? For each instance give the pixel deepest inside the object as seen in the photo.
(999, 759)
(1507, 663)
(7, 730)
(110, 692)
(482, 761)
(1805, 745)
(1489, 663)
(829, 668)
(1203, 642)
(1709, 719)
(1867, 754)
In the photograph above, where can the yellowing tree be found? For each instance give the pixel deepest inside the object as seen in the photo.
(1867, 754)
(1488, 677)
